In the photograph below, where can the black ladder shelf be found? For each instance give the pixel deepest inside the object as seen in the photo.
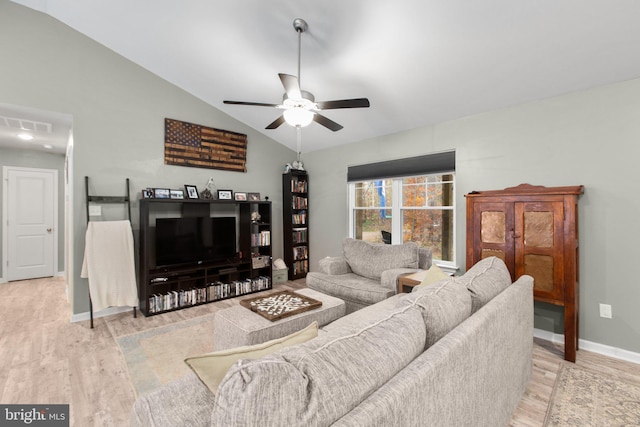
(105, 200)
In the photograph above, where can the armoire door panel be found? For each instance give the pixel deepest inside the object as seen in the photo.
(539, 246)
(495, 222)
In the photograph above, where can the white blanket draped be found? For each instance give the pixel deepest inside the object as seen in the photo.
(109, 264)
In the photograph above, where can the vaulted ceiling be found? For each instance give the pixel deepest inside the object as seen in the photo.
(419, 62)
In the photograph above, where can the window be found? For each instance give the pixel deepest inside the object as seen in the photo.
(418, 208)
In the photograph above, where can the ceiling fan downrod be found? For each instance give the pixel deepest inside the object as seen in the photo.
(300, 25)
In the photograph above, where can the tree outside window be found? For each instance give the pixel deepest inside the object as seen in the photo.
(422, 212)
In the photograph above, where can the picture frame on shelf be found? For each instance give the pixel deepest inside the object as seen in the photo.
(253, 197)
(240, 197)
(176, 194)
(161, 193)
(225, 195)
(147, 193)
(192, 191)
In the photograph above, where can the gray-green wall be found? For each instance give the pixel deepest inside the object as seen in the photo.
(40, 160)
(118, 111)
(590, 138)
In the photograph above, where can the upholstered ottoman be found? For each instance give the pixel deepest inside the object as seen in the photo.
(237, 326)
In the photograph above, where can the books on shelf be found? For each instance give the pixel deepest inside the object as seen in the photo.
(298, 202)
(299, 218)
(300, 267)
(262, 238)
(298, 186)
(299, 235)
(214, 291)
(300, 252)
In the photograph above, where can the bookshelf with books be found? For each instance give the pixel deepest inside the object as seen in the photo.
(295, 214)
(166, 287)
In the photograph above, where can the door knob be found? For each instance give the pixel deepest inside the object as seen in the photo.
(49, 230)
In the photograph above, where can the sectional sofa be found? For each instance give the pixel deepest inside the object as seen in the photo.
(455, 353)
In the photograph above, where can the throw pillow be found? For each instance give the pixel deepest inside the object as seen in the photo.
(211, 368)
(433, 275)
(486, 279)
(444, 306)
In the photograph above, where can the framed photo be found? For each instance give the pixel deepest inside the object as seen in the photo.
(240, 197)
(192, 191)
(147, 193)
(177, 194)
(161, 193)
(254, 197)
(225, 195)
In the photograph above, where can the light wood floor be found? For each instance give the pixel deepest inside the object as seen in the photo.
(46, 359)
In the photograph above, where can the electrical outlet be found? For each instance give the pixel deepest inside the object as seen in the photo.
(605, 311)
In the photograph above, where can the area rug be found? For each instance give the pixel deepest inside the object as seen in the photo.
(589, 399)
(156, 357)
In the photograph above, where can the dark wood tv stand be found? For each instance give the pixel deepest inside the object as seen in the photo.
(163, 289)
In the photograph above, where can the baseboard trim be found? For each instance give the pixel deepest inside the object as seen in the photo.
(605, 350)
(81, 317)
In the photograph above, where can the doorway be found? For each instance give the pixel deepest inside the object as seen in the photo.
(30, 232)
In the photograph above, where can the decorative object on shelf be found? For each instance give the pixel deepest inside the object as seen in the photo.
(206, 194)
(209, 192)
(280, 304)
(240, 197)
(177, 194)
(255, 216)
(161, 193)
(188, 144)
(225, 195)
(297, 164)
(192, 191)
(147, 193)
(254, 197)
(287, 168)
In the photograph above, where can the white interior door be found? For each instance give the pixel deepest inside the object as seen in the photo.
(31, 222)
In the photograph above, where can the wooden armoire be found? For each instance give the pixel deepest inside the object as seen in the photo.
(534, 230)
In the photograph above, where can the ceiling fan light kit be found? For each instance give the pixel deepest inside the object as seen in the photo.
(300, 108)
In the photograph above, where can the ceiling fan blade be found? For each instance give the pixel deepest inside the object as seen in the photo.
(344, 103)
(276, 123)
(257, 104)
(328, 123)
(291, 86)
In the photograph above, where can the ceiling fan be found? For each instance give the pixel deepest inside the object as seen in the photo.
(300, 107)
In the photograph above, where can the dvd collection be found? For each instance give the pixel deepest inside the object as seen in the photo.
(213, 292)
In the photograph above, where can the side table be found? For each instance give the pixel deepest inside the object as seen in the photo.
(406, 282)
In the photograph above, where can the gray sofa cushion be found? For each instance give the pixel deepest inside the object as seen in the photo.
(486, 279)
(334, 265)
(349, 287)
(444, 305)
(371, 259)
(320, 381)
(184, 402)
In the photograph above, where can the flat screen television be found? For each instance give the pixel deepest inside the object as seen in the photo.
(194, 240)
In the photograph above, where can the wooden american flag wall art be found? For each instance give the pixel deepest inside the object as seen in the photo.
(188, 144)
